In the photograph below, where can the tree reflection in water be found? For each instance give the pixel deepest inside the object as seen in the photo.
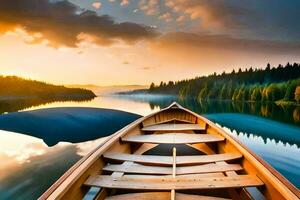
(14, 105)
(287, 114)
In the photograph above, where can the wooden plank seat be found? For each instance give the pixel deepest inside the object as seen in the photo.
(197, 169)
(170, 183)
(161, 196)
(174, 127)
(168, 160)
(217, 174)
(174, 138)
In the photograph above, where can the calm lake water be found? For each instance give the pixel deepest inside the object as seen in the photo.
(28, 166)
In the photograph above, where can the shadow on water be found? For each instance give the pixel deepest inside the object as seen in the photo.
(29, 166)
(70, 124)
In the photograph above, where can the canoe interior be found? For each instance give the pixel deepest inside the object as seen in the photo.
(171, 154)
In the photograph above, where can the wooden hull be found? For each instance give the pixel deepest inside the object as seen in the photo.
(121, 167)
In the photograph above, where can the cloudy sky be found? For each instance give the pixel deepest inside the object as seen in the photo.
(112, 42)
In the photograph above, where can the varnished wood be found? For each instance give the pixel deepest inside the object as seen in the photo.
(142, 169)
(161, 196)
(143, 148)
(170, 121)
(170, 183)
(225, 148)
(173, 127)
(219, 174)
(173, 172)
(173, 138)
(168, 160)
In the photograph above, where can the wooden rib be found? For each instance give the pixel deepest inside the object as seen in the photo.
(167, 160)
(173, 127)
(232, 192)
(170, 183)
(142, 169)
(161, 196)
(173, 138)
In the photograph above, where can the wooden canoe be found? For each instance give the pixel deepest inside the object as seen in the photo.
(152, 158)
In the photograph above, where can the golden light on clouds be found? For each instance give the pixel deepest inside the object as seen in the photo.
(65, 43)
(97, 5)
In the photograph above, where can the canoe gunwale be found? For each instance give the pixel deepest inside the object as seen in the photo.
(67, 180)
(94, 154)
(249, 154)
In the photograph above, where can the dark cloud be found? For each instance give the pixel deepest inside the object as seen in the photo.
(264, 19)
(227, 43)
(211, 13)
(65, 24)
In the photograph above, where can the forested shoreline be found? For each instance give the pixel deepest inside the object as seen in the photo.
(13, 87)
(273, 84)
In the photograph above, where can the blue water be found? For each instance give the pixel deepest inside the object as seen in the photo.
(33, 160)
(276, 142)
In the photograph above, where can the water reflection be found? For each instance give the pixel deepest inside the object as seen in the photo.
(287, 114)
(14, 105)
(282, 156)
(144, 104)
(112, 102)
(28, 166)
(258, 126)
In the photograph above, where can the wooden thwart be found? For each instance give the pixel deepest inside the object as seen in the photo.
(143, 169)
(213, 175)
(174, 138)
(168, 160)
(169, 183)
(167, 177)
(161, 196)
(174, 127)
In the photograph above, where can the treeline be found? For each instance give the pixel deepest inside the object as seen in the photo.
(16, 87)
(269, 84)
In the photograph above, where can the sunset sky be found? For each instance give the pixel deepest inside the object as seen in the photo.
(119, 42)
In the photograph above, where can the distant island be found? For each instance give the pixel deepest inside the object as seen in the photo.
(13, 87)
(279, 84)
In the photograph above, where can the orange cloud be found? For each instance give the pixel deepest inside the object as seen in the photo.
(61, 23)
(124, 2)
(166, 16)
(189, 54)
(150, 7)
(213, 14)
(97, 5)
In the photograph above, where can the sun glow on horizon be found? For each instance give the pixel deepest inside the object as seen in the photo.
(109, 43)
